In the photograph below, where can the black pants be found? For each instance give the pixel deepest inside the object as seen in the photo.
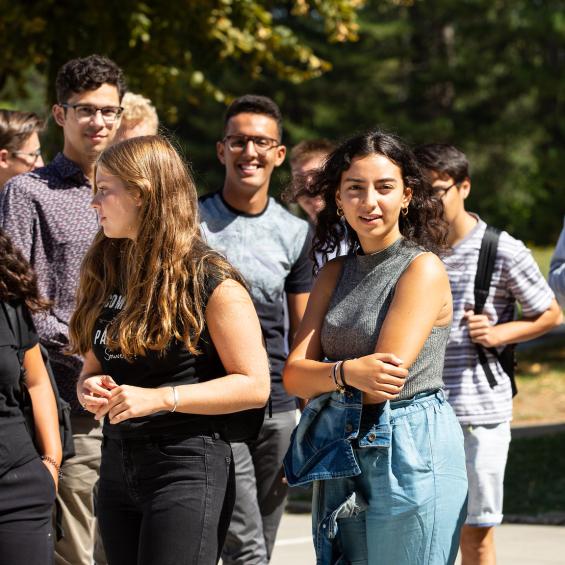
(165, 501)
(27, 494)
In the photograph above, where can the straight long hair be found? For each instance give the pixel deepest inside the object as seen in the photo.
(165, 273)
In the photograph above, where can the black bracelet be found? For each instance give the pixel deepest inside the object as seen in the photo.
(342, 375)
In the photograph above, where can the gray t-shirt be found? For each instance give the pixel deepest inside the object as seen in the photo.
(271, 250)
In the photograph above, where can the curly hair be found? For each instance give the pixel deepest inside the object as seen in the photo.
(424, 223)
(164, 275)
(88, 73)
(18, 282)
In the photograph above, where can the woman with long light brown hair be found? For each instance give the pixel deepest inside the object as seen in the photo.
(172, 348)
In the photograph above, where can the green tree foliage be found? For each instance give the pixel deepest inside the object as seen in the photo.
(170, 50)
(486, 75)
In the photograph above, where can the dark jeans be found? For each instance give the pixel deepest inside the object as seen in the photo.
(165, 500)
(260, 493)
(27, 494)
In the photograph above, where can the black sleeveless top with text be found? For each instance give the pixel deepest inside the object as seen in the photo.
(174, 366)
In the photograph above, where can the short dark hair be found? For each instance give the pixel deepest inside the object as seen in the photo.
(443, 159)
(255, 104)
(308, 148)
(16, 128)
(88, 73)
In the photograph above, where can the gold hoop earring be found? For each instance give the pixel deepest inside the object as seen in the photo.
(340, 212)
(404, 211)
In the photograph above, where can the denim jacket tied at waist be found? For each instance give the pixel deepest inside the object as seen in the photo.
(321, 445)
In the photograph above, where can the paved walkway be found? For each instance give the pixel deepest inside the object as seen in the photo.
(517, 544)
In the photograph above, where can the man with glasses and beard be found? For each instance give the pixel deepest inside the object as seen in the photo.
(20, 150)
(47, 214)
(270, 247)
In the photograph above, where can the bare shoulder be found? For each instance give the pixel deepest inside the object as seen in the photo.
(427, 269)
(226, 292)
(426, 282)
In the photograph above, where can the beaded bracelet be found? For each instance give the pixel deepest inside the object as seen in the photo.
(51, 461)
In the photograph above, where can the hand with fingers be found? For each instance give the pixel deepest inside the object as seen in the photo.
(482, 331)
(94, 393)
(128, 401)
(379, 375)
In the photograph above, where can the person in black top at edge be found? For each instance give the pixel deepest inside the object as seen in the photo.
(172, 346)
(28, 483)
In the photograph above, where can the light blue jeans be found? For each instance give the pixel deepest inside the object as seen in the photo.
(409, 503)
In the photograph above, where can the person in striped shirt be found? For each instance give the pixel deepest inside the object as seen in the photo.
(484, 411)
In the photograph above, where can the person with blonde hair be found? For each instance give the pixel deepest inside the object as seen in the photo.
(20, 151)
(160, 321)
(138, 118)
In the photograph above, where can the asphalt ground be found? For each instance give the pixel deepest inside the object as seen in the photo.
(516, 544)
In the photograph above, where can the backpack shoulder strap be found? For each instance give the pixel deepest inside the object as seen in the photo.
(485, 267)
(483, 279)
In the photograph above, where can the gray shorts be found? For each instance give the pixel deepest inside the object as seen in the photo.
(486, 452)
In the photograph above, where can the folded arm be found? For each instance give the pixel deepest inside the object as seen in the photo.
(307, 377)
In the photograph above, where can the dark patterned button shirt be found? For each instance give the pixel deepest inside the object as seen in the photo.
(47, 214)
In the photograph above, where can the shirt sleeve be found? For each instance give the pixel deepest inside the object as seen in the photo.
(525, 281)
(17, 215)
(557, 269)
(18, 219)
(300, 277)
(29, 335)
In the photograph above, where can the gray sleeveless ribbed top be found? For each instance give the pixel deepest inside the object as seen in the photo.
(359, 305)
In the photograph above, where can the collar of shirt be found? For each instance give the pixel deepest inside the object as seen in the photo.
(69, 170)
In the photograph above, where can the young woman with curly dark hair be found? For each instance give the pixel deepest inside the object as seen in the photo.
(384, 447)
(28, 482)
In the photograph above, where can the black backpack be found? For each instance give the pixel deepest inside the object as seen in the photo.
(13, 315)
(483, 278)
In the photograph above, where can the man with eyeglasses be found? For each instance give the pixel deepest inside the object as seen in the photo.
(20, 150)
(480, 391)
(47, 213)
(271, 248)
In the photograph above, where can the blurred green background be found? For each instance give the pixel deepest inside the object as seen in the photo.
(485, 75)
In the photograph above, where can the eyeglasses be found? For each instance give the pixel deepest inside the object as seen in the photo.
(34, 155)
(238, 143)
(440, 192)
(85, 112)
